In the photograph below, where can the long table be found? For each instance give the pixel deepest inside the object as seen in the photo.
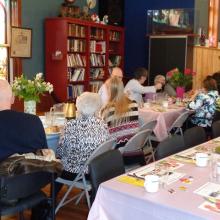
(116, 200)
(164, 118)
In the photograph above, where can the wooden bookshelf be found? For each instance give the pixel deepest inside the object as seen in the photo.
(79, 55)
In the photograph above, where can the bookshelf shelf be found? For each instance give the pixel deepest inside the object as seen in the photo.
(89, 51)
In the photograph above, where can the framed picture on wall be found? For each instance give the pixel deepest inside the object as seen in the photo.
(21, 42)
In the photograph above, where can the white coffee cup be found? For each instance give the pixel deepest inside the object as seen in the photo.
(151, 183)
(146, 105)
(165, 104)
(201, 159)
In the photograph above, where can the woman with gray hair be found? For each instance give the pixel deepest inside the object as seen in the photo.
(82, 135)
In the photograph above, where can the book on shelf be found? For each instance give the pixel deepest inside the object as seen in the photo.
(114, 60)
(97, 59)
(74, 90)
(114, 35)
(75, 30)
(95, 86)
(76, 45)
(76, 74)
(97, 46)
(76, 60)
(97, 73)
(97, 33)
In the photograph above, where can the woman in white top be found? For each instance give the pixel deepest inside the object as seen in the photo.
(134, 87)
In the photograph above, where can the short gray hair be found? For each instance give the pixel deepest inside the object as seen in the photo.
(158, 78)
(88, 103)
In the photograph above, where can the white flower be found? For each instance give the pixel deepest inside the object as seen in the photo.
(38, 76)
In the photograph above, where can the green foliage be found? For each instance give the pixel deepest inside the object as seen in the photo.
(31, 89)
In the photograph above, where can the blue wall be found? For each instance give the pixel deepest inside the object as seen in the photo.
(136, 43)
(33, 14)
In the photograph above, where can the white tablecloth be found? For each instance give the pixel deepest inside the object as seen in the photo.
(164, 119)
(121, 201)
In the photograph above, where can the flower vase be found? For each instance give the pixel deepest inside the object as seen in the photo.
(180, 92)
(30, 107)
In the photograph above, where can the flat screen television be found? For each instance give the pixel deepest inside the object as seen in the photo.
(170, 21)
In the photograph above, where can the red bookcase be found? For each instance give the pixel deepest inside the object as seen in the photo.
(79, 55)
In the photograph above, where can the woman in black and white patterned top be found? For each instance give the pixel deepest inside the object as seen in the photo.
(82, 135)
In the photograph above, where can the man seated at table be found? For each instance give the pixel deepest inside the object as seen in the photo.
(19, 132)
(135, 89)
(103, 91)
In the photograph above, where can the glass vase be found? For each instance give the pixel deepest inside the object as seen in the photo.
(30, 107)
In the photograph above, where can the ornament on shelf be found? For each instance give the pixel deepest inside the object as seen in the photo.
(95, 18)
(105, 19)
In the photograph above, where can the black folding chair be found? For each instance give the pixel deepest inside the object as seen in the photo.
(21, 192)
(194, 136)
(169, 146)
(104, 167)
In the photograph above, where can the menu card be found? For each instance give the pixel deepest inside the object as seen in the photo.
(163, 168)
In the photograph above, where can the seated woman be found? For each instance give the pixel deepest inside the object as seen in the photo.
(82, 135)
(167, 89)
(204, 104)
(120, 113)
(134, 87)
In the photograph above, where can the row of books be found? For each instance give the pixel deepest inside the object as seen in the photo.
(76, 30)
(114, 35)
(74, 90)
(97, 60)
(76, 45)
(97, 33)
(76, 74)
(97, 46)
(97, 73)
(114, 60)
(76, 60)
(95, 86)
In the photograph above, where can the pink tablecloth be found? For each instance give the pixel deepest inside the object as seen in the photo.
(119, 201)
(164, 119)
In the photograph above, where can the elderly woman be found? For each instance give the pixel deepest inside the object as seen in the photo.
(204, 104)
(82, 135)
(167, 89)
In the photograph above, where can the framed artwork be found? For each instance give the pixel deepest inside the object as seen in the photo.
(21, 42)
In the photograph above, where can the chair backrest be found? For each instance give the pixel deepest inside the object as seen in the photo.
(104, 167)
(216, 129)
(22, 186)
(194, 136)
(169, 146)
(149, 125)
(137, 142)
(104, 147)
(178, 123)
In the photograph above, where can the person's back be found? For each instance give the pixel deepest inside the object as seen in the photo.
(19, 132)
(122, 127)
(120, 113)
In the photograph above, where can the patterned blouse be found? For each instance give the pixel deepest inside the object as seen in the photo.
(79, 139)
(125, 127)
(204, 106)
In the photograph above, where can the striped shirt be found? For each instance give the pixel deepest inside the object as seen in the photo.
(124, 127)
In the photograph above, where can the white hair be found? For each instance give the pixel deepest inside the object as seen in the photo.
(158, 78)
(88, 103)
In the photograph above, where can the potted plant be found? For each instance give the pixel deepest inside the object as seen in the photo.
(30, 90)
(180, 80)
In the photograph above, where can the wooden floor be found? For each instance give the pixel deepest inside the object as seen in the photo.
(68, 212)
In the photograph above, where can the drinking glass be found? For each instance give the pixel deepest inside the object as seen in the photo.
(49, 119)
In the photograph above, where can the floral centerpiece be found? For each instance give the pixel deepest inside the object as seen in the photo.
(30, 90)
(180, 80)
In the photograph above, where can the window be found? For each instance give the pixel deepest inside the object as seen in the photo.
(9, 16)
(4, 6)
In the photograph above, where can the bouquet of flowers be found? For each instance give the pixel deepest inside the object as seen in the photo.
(180, 79)
(30, 90)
